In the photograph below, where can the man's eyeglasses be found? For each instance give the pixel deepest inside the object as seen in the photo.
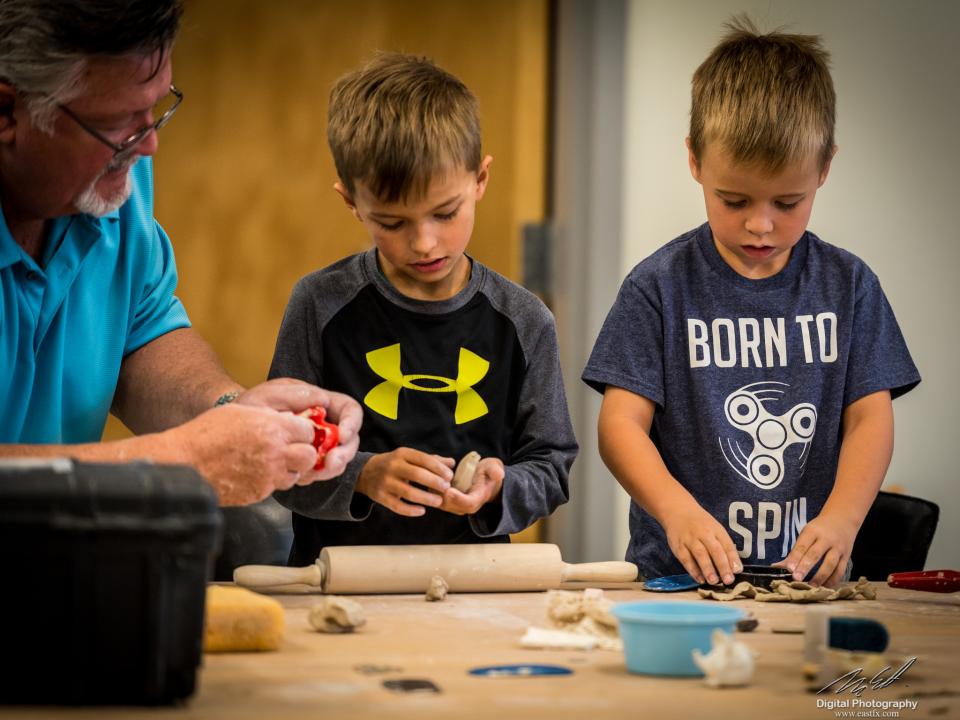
(167, 107)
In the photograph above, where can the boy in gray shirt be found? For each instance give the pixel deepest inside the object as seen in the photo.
(748, 366)
(445, 355)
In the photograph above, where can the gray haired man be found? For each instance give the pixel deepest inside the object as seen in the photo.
(89, 322)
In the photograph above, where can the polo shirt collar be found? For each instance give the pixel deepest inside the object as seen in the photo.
(10, 252)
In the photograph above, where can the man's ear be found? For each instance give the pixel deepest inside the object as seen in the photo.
(693, 162)
(8, 103)
(347, 199)
(483, 176)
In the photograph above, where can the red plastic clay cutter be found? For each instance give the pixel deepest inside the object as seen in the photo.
(326, 435)
(941, 581)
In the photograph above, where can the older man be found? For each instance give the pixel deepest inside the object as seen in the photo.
(88, 319)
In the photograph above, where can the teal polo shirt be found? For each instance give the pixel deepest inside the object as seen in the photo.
(103, 288)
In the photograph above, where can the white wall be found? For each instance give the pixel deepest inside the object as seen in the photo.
(892, 196)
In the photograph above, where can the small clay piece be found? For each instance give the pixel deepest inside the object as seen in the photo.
(437, 589)
(783, 591)
(584, 613)
(728, 664)
(370, 669)
(463, 477)
(337, 615)
(747, 624)
(547, 639)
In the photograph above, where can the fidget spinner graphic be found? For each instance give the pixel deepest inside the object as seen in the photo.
(771, 434)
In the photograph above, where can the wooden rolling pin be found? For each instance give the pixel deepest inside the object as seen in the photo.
(488, 567)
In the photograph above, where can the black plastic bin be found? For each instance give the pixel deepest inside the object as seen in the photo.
(104, 579)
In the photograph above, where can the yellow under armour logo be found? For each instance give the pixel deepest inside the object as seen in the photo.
(385, 397)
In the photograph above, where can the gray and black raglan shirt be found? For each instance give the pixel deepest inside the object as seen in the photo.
(479, 371)
(750, 379)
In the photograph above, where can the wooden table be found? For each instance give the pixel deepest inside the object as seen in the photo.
(322, 677)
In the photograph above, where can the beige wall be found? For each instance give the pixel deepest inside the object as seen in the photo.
(890, 198)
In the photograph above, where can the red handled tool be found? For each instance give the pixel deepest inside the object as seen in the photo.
(941, 581)
(326, 435)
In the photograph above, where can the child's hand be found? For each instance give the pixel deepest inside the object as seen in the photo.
(826, 537)
(392, 479)
(487, 481)
(702, 545)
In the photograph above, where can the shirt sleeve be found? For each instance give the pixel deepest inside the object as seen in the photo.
(536, 479)
(298, 355)
(879, 358)
(155, 309)
(628, 352)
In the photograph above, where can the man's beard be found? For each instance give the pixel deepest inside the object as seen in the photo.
(91, 202)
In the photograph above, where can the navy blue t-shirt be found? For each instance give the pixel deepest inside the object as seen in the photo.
(750, 379)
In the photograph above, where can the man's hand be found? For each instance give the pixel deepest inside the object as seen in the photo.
(825, 537)
(406, 480)
(487, 483)
(244, 452)
(295, 396)
(702, 545)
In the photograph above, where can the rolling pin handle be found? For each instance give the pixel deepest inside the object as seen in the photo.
(612, 571)
(260, 576)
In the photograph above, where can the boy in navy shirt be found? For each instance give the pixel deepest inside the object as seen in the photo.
(748, 366)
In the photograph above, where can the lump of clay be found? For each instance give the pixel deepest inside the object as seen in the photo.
(792, 591)
(547, 639)
(463, 476)
(437, 589)
(584, 613)
(728, 664)
(337, 615)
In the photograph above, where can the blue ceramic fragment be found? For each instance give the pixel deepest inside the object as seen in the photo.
(520, 670)
(671, 583)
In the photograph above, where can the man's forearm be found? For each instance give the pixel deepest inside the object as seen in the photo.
(169, 381)
(154, 447)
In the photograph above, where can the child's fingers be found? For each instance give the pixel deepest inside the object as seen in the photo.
(427, 478)
(809, 556)
(394, 503)
(733, 557)
(459, 503)
(428, 470)
(705, 563)
(689, 564)
(420, 497)
(831, 560)
(836, 578)
(718, 556)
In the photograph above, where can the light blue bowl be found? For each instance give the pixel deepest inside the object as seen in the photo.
(659, 637)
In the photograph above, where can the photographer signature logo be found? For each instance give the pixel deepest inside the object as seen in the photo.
(855, 682)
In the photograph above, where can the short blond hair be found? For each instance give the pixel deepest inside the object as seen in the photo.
(768, 99)
(400, 121)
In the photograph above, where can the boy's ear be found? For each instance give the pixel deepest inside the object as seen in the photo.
(825, 170)
(347, 199)
(692, 161)
(8, 103)
(483, 176)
